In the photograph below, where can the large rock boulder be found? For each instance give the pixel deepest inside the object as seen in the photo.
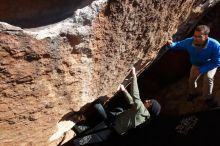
(56, 68)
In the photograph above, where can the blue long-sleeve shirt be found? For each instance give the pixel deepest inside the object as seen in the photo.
(206, 58)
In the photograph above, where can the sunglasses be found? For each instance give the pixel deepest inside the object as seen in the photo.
(198, 36)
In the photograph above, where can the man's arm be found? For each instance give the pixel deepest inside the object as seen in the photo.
(214, 62)
(134, 97)
(134, 86)
(179, 45)
(127, 95)
(135, 91)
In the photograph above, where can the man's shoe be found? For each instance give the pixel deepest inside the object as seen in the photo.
(62, 128)
(80, 128)
(191, 97)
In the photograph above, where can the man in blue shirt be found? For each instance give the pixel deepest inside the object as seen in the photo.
(204, 55)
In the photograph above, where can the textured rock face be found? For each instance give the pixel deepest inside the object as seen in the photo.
(48, 71)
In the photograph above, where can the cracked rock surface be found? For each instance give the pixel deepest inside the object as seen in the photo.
(50, 66)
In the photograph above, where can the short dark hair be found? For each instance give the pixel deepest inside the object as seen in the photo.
(155, 108)
(203, 28)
